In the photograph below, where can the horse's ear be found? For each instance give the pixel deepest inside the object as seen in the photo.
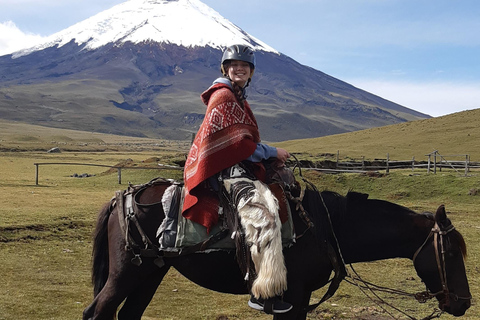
(441, 216)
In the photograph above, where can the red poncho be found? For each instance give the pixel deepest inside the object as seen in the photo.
(228, 135)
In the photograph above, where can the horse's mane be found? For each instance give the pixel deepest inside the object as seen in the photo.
(319, 204)
(340, 204)
(316, 201)
(461, 241)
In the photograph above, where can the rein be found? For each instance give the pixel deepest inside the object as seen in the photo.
(333, 251)
(364, 286)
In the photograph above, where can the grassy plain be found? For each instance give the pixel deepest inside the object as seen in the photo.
(45, 229)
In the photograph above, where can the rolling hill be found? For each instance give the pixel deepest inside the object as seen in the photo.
(458, 133)
(454, 134)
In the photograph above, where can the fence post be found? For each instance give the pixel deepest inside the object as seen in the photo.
(338, 156)
(413, 163)
(193, 138)
(435, 162)
(388, 166)
(119, 170)
(363, 163)
(36, 174)
(466, 165)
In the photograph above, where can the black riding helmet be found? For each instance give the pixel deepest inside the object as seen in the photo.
(238, 52)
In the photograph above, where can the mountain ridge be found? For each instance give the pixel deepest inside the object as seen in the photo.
(150, 88)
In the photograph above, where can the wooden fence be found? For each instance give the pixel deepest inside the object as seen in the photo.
(119, 169)
(435, 162)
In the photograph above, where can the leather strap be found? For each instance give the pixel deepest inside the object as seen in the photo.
(268, 305)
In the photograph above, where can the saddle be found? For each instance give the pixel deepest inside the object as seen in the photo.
(177, 235)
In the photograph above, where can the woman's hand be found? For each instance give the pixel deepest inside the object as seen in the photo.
(282, 155)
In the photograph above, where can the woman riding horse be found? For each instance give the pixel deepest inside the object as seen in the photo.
(227, 149)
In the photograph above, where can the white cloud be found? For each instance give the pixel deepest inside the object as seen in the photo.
(435, 99)
(13, 39)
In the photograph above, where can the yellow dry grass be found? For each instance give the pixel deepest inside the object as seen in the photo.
(455, 134)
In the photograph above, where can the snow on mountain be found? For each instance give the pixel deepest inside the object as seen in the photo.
(187, 23)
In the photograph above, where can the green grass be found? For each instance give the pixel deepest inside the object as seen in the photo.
(45, 240)
(45, 230)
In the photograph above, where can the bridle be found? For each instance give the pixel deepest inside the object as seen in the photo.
(438, 239)
(439, 246)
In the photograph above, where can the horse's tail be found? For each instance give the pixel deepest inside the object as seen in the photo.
(100, 249)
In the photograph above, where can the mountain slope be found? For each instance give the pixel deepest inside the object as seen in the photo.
(138, 69)
(455, 134)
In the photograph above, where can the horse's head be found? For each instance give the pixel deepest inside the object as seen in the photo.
(440, 264)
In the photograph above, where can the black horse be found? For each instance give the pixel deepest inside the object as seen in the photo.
(366, 230)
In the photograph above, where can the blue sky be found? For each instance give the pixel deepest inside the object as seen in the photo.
(422, 54)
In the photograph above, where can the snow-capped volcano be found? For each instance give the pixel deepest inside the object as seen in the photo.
(188, 23)
(139, 69)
